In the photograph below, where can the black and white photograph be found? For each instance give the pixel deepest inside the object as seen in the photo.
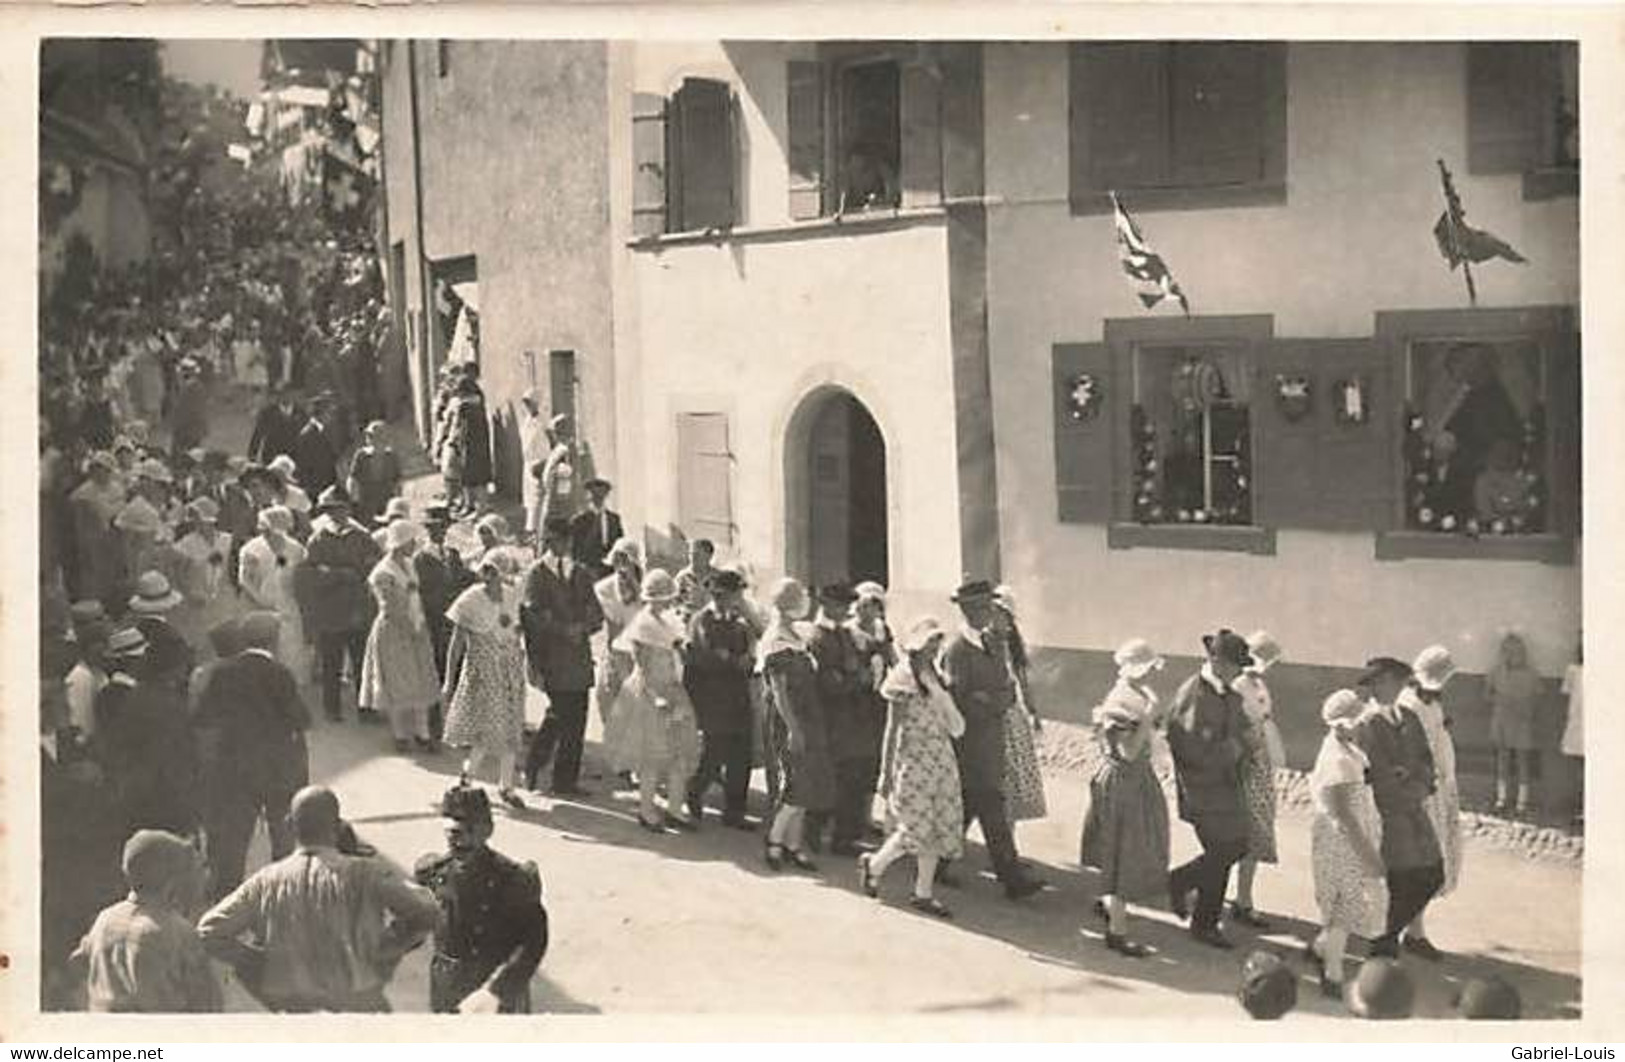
(1058, 527)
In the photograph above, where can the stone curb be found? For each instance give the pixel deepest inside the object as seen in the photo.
(1066, 749)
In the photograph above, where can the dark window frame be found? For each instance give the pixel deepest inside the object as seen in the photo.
(1542, 63)
(1270, 189)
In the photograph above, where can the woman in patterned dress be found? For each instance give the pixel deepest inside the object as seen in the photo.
(1023, 783)
(1433, 670)
(921, 773)
(1346, 843)
(808, 772)
(1125, 833)
(398, 676)
(1265, 755)
(484, 690)
(653, 715)
(265, 568)
(619, 596)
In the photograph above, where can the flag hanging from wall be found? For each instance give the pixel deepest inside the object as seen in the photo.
(1145, 269)
(1458, 241)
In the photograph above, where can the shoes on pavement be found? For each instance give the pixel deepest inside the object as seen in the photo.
(1330, 989)
(429, 745)
(1423, 948)
(932, 906)
(652, 827)
(1384, 948)
(774, 855)
(738, 822)
(799, 860)
(1179, 900)
(1024, 888)
(945, 876)
(866, 877)
(512, 799)
(1101, 911)
(1247, 916)
(677, 822)
(1211, 936)
(1126, 947)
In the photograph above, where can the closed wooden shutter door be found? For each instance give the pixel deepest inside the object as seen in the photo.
(1503, 127)
(1083, 448)
(648, 164)
(921, 130)
(1119, 116)
(805, 118)
(1217, 113)
(704, 474)
(701, 191)
(1563, 417)
(561, 372)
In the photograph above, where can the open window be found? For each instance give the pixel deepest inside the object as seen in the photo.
(1192, 433)
(1523, 105)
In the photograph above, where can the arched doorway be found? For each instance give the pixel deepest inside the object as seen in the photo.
(836, 472)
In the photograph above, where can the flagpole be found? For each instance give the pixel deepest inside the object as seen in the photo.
(1452, 206)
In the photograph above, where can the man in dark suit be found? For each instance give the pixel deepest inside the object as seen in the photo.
(1402, 777)
(595, 529)
(331, 587)
(250, 702)
(983, 688)
(559, 614)
(317, 451)
(276, 430)
(493, 928)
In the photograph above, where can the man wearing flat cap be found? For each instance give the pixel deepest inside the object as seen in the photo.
(1402, 779)
(595, 529)
(983, 687)
(331, 586)
(559, 615)
(493, 929)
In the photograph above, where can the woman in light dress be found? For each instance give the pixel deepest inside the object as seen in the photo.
(1265, 755)
(1023, 783)
(920, 772)
(654, 719)
(620, 595)
(398, 675)
(265, 568)
(484, 687)
(1125, 833)
(206, 550)
(1433, 669)
(1345, 842)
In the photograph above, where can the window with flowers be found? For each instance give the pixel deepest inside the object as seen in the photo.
(1191, 434)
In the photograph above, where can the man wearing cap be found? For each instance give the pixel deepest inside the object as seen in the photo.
(717, 671)
(1206, 730)
(317, 451)
(595, 529)
(559, 615)
(330, 928)
(145, 742)
(980, 680)
(332, 589)
(1402, 779)
(250, 702)
(493, 929)
(142, 955)
(276, 430)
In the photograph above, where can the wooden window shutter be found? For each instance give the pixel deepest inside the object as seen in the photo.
(648, 164)
(1284, 465)
(1217, 114)
(1563, 419)
(1119, 128)
(921, 147)
(704, 475)
(561, 384)
(806, 151)
(1503, 127)
(1084, 447)
(700, 189)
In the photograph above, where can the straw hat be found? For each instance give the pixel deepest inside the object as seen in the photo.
(1135, 658)
(1342, 708)
(494, 523)
(127, 642)
(1434, 667)
(1265, 649)
(153, 595)
(920, 635)
(659, 586)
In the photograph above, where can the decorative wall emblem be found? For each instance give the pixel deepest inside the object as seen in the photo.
(1084, 397)
(1294, 397)
(1351, 401)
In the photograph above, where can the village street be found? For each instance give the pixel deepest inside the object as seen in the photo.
(697, 924)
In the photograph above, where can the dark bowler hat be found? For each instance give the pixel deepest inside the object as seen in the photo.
(437, 515)
(1268, 987)
(837, 594)
(466, 803)
(973, 590)
(1379, 666)
(727, 581)
(598, 485)
(1226, 644)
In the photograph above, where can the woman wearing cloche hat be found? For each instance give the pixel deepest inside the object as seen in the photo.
(1125, 834)
(1265, 754)
(397, 670)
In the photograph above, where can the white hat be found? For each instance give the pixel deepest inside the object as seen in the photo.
(1342, 708)
(1135, 658)
(789, 597)
(1005, 597)
(279, 517)
(659, 586)
(1265, 649)
(1434, 666)
(284, 466)
(918, 636)
(870, 591)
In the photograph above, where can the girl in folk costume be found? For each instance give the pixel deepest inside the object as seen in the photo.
(1345, 842)
(265, 568)
(206, 550)
(1514, 689)
(922, 774)
(787, 666)
(484, 689)
(398, 675)
(1433, 670)
(1125, 834)
(1266, 754)
(654, 718)
(1023, 784)
(619, 597)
